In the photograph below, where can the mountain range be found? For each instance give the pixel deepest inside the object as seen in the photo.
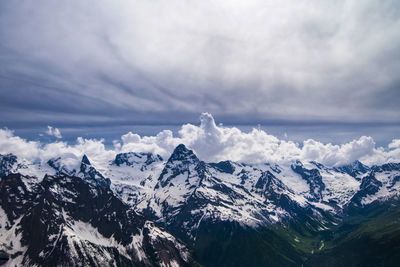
(143, 210)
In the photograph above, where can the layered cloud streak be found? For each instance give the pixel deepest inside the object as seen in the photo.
(167, 61)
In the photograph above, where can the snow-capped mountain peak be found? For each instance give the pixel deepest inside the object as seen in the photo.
(133, 158)
(90, 174)
(183, 154)
(354, 169)
(183, 164)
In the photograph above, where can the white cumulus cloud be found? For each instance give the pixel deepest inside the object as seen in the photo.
(211, 143)
(215, 143)
(54, 132)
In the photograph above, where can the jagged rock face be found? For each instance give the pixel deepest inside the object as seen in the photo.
(184, 155)
(85, 170)
(387, 167)
(182, 175)
(7, 163)
(66, 221)
(91, 174)
(369, 186)
(271, 187)
(224, 166)
(276, 192)
(131, 158)
(183, 163)
(313, 178)
(394, 181)
(60, 167)
(355, 169)
(380, 184)
(17, 195)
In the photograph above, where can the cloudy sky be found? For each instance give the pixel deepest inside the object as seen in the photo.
(152, 62)
(101, 65)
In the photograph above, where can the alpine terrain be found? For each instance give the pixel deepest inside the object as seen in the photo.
(143, 210)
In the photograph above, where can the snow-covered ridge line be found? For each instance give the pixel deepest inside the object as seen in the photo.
(183, 194)
(250, 194)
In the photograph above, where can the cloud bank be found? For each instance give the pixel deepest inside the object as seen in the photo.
(211, 143)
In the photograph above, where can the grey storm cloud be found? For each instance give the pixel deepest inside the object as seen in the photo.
(167, 61)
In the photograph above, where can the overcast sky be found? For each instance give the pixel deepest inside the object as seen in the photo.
(82, 63)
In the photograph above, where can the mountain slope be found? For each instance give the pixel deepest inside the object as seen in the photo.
(225, 213)
(65, 221)
(368, 237)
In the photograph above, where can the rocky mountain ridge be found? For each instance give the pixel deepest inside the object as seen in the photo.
(81, 215)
